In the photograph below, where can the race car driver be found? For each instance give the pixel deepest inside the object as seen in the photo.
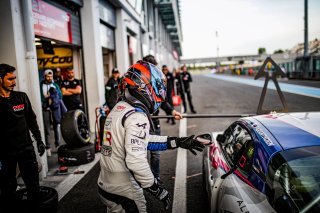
(17, 118)
(125, 171)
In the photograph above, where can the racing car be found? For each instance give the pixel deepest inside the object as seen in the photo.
(265, 163)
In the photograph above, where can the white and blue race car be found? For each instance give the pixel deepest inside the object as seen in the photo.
(265, 163)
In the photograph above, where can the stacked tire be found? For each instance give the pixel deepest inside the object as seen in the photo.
(75, 132)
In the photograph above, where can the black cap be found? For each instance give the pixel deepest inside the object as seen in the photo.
(164, 66)
(115, 70)
(5, 68)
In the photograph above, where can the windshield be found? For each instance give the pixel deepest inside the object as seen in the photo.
(295, 180)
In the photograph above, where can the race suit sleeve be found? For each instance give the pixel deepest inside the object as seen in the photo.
(32, 120)
(190, 78)
(136, 141)
(157, 143)
(167, 107)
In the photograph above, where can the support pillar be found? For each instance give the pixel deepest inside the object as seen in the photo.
(92, 52)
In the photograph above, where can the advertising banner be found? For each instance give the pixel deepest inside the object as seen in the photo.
(61, 58)
(51, 22)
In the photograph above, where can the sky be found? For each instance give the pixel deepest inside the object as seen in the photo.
(240, 27)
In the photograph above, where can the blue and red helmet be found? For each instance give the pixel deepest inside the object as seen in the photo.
(146, 83)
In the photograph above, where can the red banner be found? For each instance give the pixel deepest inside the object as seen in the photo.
(51, 22)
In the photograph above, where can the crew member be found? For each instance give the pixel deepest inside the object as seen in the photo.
(58, 77)
(170, 88)
(17, 119)
(185, 80)
(71, 90)
(111, 89)
(125, 171)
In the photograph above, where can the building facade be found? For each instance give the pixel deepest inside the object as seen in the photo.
(89, 36)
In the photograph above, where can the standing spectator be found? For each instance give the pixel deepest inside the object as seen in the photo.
(71, 90)
(58, 77)
(17, 119)
(170, 87)
(111, 89)
(51, 99)
(185, 79)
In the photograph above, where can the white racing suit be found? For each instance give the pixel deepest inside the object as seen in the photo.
(124, 166)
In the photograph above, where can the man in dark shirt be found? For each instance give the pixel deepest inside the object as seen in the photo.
(111, 89)
(185, 79)
(17, 119)
(58, 77)
(111, 96)
(71, 90)
(170, 87)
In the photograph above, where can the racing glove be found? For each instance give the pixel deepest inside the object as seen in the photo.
(161, 193)
(186, 143)
(41, 147)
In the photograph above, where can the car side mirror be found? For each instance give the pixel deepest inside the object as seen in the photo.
(238, 161)
(221, 138)
(205, 139)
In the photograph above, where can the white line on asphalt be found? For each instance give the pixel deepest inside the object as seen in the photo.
(65, 186)
(180, 183)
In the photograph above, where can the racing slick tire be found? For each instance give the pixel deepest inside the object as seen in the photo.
(71, 156)
(48, 196)
(75, 128)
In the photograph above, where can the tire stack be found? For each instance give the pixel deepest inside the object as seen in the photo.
(75, 132)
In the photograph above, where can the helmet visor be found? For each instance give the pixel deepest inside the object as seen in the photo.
(158, 80)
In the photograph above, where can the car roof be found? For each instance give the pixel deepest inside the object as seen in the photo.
(291, 130)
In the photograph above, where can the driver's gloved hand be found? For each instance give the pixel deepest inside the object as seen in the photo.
(186, 143)
(161, 193)
(41, 147)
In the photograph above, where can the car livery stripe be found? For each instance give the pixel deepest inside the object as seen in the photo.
(288, 135)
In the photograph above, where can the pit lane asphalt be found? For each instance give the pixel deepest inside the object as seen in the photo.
(209, 96)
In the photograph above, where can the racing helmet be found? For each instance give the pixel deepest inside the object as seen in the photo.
(146, 83)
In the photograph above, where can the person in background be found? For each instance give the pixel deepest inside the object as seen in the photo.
(111, 96)
(51, 99)
(111, 89)
(176, 75)
(125, 171)
(17, 120)
(58, 77)
(155, 155)
(170, 88)
(185, 80)
(71, 89)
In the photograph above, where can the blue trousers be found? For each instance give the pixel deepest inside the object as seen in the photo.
(155, 159)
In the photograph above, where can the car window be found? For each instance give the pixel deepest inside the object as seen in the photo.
(295, 181)
(236, 136)
(245, 161)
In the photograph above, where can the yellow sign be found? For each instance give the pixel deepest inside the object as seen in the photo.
(61, 58)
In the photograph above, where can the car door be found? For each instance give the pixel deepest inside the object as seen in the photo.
(236, 193)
